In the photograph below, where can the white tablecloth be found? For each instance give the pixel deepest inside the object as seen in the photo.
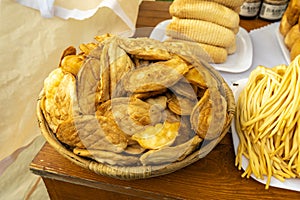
(266, 51)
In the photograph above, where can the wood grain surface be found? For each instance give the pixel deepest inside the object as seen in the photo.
(212, 177)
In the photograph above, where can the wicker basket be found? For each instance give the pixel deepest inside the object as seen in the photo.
(139, 172)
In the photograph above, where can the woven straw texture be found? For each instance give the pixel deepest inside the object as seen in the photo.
(141, 172)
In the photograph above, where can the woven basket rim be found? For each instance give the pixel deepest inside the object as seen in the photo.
(136, 172)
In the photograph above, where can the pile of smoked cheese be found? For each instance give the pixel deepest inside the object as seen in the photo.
(211, 24)
(290, 28)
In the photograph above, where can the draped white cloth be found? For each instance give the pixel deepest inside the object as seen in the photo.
(33, 34)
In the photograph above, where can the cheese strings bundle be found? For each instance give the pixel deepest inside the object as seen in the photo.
(268, 123)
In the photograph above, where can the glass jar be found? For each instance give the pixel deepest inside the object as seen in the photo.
(250, 9)
(272, 10)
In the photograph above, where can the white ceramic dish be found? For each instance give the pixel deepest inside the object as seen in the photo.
(238, 62)
(290, 184)
(283, 48)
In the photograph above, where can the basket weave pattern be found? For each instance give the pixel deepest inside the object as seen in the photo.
(141, 171)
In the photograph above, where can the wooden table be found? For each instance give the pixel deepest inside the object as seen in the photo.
(213, 177)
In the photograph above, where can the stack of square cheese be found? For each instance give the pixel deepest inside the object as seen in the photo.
(290, 28)
(212, 24)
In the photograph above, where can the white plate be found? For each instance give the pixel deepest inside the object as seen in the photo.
(238, 62)
(283, 48)
(290, 184)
